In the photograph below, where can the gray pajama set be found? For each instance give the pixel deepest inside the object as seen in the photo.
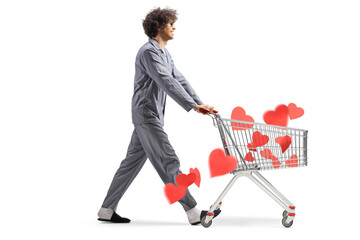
(155, 77)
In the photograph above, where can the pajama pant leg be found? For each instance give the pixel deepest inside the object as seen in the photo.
(147, 141)
(128, 170)
(157, 147)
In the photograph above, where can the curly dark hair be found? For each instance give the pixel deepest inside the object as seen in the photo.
(158, 18)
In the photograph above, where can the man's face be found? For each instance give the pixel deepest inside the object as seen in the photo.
(167, 33)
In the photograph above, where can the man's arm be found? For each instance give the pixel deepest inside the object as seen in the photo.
(154, 66)
(186, 85)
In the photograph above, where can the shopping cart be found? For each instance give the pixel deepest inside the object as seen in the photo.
(260, 147)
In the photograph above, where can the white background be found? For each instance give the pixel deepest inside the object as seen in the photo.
(67, 71)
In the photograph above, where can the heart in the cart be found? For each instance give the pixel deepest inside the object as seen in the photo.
(284, 142)
(258, 140)
(279, 117)
(238, 113)
(251, 147)
(220, 164)
(174, 193)
(266, 153)
(186, 180)
(275, 162)
(198, 176)
(293, 161)
(295, 111)
(249, 157)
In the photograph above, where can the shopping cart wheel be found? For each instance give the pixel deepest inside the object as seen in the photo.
(285, 224)
(205, 224)
(285, 213)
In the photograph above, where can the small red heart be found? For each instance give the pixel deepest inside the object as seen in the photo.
(251, 147)
(185, 180)
(266, 153)
(284, 142)
(198, 176)
(279, 117)
(294, 111)
(275, 162)
(220, 164)
(293, 161)
(249, 157)
(174, 193)
(238, 113)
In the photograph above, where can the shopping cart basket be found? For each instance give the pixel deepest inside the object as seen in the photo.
(260, 147)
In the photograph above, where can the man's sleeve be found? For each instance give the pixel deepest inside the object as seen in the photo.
(186, 85)
(162, 76)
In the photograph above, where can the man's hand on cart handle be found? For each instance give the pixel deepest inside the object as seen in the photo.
(204, 109)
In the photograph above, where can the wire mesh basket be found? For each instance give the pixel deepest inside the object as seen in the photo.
(262, 146)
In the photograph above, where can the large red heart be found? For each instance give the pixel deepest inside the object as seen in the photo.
(174, 193)
(293, 161)
(284, 142)
(249, 157)
(238, 113)
(294, 111)
(185, 180)
(220, 164)
(198, 176)
(279, 117)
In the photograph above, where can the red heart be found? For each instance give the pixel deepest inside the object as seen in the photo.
(198, 176)
(259, 140)
(279, 117)
(293, 161)
(220, 164)
(174, 193)
(249, 157)
(185, 180)
(284, 142)
(275, 162)
(251, 147)
(266, 153)
(238, 113)
(294, 111)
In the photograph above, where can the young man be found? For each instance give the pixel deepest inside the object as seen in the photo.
(155, 77)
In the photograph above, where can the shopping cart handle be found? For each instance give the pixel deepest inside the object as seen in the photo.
(204, 111)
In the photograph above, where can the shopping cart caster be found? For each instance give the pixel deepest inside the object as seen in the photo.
(204, 224)
(285, 213)
(287, 224)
